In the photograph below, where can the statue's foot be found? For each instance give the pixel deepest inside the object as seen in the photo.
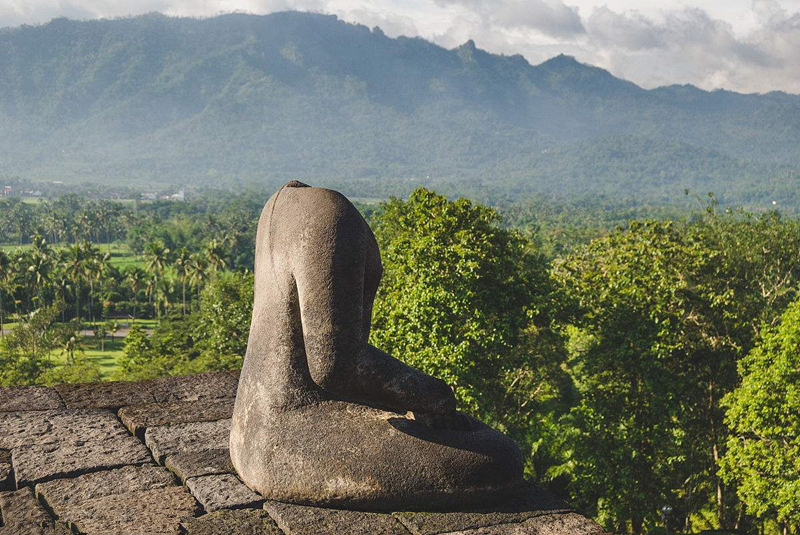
(348, 455)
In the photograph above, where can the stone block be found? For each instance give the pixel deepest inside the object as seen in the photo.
(203, 386)
(29, 428)
(138, 418)
(42, 462)
(29, 398)
(154, 511)
(227, 522)
(222, 491)
(62, 493)
(550, 524)
(23, 515)
(200, 463)
(107, 395)
(303, 520)
(171, 439)
(6, 473)
(528, 502)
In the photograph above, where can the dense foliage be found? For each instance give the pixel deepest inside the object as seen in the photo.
(764, 414)
(648, 369)
(244, 99)
(463, 299)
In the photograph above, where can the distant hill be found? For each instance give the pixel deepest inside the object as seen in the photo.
(246, 99)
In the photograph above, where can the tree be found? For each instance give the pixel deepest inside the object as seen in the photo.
(764, 416)
(215, 255)
(224, 322)
(183, 262)
(640, 316)
(76, 268)
(157, 257)
(5, 276)
(135, 279)
(25, 352)
(467, 301)
(197, 273)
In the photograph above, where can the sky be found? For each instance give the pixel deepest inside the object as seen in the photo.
(741, 45)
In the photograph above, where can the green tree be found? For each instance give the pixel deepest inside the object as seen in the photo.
(183, 262)
(5, 276)
(224, 322)
(464, 299)
(157, 257)
(640, 303)
(25, 352)
(764, 415)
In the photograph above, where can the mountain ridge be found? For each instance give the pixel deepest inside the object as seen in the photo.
(257, 99)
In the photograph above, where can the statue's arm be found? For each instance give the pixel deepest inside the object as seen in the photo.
(329, 269)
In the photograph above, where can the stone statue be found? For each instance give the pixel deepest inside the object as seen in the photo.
(321, 416)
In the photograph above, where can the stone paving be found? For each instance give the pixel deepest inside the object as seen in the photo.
(152, 458)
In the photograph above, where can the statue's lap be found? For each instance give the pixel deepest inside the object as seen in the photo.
(340, 453)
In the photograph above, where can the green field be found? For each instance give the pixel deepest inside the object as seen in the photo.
(121, 255)
(107, 359)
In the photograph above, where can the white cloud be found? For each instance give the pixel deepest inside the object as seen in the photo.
(744, 45)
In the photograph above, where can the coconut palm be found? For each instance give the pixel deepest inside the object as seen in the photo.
(182, 267)
(215, 254)
(156, 257)
(39, 263)
(75, 268)
(197, 273)
(135, 279)
(5, 276)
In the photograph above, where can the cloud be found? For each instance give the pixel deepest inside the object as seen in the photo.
(549, 17)
(673, 44)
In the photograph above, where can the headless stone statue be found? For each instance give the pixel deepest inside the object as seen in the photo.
(321, 416)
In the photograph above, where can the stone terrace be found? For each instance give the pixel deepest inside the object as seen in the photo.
(151, 457)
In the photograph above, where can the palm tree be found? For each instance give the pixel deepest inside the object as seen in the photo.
(215, 254)
(39, 262)
(75, 268)
(5, 276)
(197, 272)
(96, 268)
(156, 257)
(182, 266)
(135, 279)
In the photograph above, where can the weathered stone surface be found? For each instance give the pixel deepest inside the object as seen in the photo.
(27, 428)
(528, 502)
(29, 398)
(228, 522)
(199, 463)
(222, 491)
(41, 462)
(107, 395)
(137, 418)
(551, 524)
(170, 439)
(302, 520)
(203, 386)
(22, 514)
(62, 493)
(6, 474)
(303, 427)
(22, 508)
(153, 511)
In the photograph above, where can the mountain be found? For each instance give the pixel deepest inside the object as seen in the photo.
(244, 99)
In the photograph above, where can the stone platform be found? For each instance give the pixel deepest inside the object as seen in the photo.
(152, 457)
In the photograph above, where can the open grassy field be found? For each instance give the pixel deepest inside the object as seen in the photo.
(121, 255)
(107, 358)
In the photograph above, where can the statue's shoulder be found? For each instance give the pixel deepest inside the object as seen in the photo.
(320, 201)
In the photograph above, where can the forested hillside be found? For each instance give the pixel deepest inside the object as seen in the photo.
(245, 99)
